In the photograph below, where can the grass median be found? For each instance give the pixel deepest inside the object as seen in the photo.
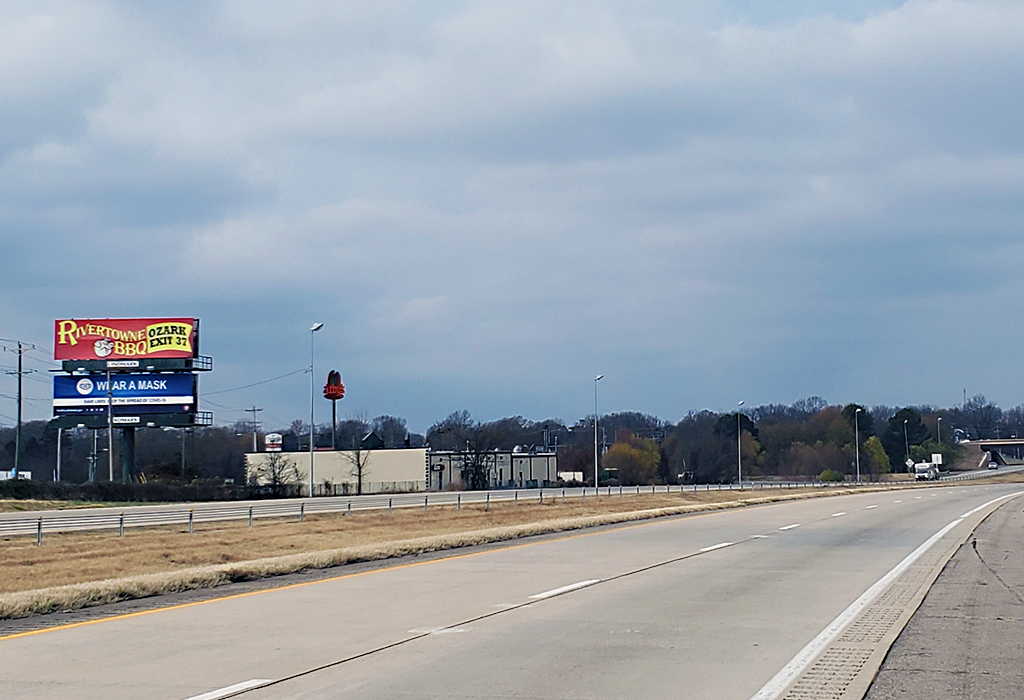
(75, 570)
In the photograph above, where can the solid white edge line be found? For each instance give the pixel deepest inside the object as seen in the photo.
(715, 546)
(972, 511)
(790, 527)
(806, 656)
(778, 684)
(231, 689)
(565, 589)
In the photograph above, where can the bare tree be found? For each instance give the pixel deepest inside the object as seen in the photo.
(276, 472)
(359, 462)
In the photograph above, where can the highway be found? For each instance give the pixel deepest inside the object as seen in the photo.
(714, 605)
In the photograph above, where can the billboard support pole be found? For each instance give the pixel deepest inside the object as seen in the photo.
(110, 426)
(56, 474)
(127, 454)
(92, 456)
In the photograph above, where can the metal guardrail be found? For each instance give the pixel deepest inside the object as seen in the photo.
(981, 474)
(86, 519)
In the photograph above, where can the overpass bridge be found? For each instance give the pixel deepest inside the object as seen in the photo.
(1000, 449)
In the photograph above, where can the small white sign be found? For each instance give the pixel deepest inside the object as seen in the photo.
(936, 458)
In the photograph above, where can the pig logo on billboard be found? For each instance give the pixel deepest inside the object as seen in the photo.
(103, 347)
(118, 338)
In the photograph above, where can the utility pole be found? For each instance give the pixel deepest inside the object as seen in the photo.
(255, 425)
(22, 349)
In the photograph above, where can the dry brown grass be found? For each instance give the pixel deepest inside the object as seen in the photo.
(75, 570)
(78, 557)
(10, 505)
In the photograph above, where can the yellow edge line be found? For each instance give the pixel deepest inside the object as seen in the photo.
(653, 521)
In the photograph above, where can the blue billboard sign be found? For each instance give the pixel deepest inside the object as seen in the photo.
(132, 394)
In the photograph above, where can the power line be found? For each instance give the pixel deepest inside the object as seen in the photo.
(248, 386)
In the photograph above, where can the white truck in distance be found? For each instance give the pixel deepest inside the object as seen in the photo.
(926, 471)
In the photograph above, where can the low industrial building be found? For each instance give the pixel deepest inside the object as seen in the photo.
(335, 472)
(509, 469)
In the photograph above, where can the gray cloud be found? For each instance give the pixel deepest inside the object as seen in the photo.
(487, 203)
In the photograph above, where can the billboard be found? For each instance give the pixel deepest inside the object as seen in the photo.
(125, 338)
(133, 394)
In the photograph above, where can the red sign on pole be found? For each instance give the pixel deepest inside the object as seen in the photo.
(334, 389)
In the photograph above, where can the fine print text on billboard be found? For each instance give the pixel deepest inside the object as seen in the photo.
(125, 338)
(133, 394)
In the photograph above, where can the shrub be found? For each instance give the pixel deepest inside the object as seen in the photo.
(831, 475)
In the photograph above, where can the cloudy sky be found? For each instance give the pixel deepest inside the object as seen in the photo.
(488, 203)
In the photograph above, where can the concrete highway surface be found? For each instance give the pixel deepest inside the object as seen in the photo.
(718, 605)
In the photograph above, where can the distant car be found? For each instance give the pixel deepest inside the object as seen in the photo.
(993, 465)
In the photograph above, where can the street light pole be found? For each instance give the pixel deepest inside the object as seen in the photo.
(739, 452)
(312, 393)
(596, 380)
(906, 442)
(938, 431)
(856, 439)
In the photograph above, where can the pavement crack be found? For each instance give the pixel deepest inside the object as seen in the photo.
(995, 574)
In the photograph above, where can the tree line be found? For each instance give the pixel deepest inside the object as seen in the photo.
(805, 439)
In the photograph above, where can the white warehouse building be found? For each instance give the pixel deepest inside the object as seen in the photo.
(412, 469)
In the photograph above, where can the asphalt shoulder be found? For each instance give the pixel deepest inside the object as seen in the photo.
(966, 640)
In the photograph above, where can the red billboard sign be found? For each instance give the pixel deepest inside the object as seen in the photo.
(125, 338)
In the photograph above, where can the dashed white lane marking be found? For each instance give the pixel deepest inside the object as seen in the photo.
(437, 630)
(836, 515)
(917, 498)
(870, 507)
(789, 527)
(759, 537)
(716, 546)
(899, 501)
(231, 689)
(565, 589)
